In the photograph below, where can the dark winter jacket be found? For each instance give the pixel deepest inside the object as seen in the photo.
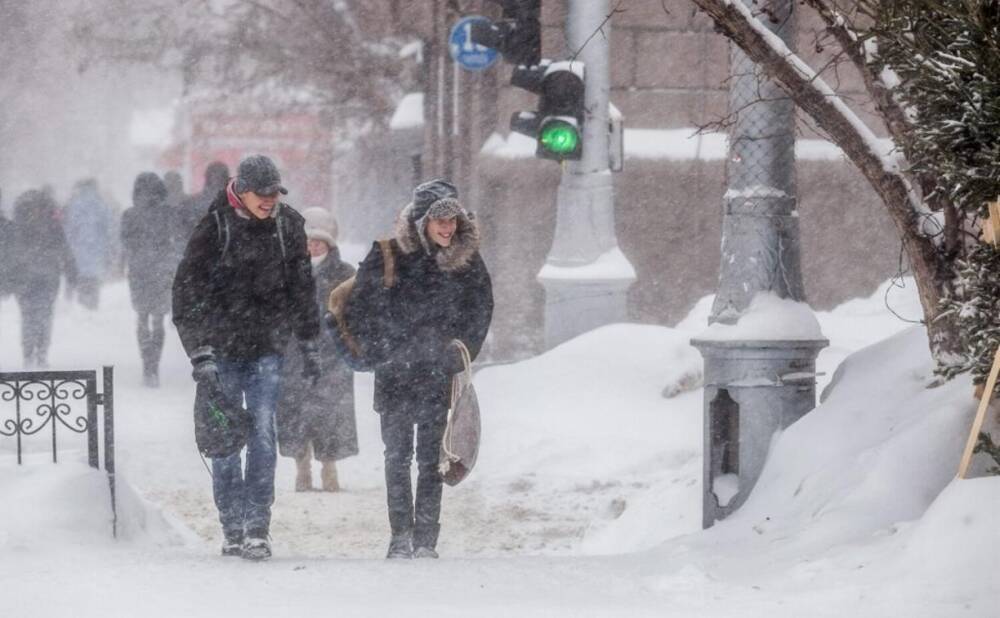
(235, 290)
(6, 255)
(440, 294)
(39, 251)
(148, 245)
(321, 414)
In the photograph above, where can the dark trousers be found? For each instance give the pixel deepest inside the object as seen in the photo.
(36, 301)
(149, 331)
(407, 516)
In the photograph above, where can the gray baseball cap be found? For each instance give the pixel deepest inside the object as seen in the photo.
(259, 174)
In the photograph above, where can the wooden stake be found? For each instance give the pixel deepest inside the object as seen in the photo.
(990, 233)
(977, 424)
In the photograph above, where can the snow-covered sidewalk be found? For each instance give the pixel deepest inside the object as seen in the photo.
(585, 501)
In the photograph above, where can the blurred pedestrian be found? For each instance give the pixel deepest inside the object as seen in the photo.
(317, 420)
(39, 256)
(147, 252)
(442, 292)
(6, 254)
(242, 290)
(195, 207)
(89, 228)
(175, 189)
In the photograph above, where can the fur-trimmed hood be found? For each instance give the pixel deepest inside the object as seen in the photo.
(412, 236)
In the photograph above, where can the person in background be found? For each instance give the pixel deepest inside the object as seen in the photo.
(242, 290)
(195, 207)
(39, 257)
(88, 225)
(442, 292)
(6, 253)
(147, 252)
(175, 189)
(317, 420)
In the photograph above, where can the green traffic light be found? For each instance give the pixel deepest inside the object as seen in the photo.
(560, 138)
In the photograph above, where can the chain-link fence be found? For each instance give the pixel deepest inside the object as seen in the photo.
(760, 249)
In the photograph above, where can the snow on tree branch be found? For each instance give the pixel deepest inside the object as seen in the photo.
(814, 96)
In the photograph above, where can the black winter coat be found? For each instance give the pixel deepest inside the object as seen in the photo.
(6, 255)
(148, 245)
(320, 413)
(39, 252)
(237, 292)
(439, 295)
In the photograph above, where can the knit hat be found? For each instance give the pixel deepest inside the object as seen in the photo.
(321, 225)
(428, 193)
(259, 174)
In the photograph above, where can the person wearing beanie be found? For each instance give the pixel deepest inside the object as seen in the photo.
(243, 290)
(147, 252)
(317, 420)
(442, 292)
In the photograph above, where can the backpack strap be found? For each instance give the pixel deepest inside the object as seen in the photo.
(279, 222)
(222, 232)
(388, 263)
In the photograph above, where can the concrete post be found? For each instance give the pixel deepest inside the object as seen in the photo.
(586, 276)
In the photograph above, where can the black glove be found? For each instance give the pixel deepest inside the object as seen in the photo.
(312, 364)
(205, 371)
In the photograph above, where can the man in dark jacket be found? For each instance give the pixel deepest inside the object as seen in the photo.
(442, 292)
(243, 288)
(148, 254)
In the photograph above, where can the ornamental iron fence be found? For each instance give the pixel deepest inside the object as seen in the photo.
(33, 401)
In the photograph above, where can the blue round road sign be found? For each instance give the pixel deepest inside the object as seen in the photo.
(469, 55)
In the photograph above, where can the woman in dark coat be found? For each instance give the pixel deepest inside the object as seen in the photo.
(317, 420)
(148, 254)
(442, 292)
(39, 256)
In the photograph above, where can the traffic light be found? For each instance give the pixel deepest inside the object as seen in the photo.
(557, 126)
(517, 36)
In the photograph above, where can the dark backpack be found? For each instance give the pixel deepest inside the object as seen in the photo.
(347, 345)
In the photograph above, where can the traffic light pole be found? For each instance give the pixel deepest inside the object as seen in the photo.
(586, 277)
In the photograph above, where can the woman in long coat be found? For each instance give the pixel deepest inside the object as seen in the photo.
(317, 419)
(442, 292)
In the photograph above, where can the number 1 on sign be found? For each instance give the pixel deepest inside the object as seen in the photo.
(468, 45)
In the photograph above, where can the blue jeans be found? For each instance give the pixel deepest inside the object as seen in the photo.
(244, 499)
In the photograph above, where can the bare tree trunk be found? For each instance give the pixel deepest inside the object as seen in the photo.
(933, 275)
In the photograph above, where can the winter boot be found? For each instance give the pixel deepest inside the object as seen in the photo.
(303, 475)
(257, 545)
(425, 538)
(328, 475)
(400, 547)
(232, 543)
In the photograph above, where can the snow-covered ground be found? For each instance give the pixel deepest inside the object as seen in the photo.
(585, 500)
